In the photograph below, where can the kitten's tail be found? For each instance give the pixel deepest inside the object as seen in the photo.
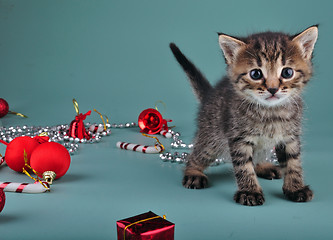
(198, 81)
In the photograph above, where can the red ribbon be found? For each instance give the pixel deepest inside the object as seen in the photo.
(3, 142)
(41, 139)
(82, 117)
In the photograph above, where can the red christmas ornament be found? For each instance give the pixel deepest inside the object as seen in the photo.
(51, 160)
(77, 128)
(2, 199)
(4, 107)
(152, 122)
(14, 155)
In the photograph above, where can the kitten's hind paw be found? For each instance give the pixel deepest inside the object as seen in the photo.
(304, 194)
(195, 182)
(268, 171)
(249, 198)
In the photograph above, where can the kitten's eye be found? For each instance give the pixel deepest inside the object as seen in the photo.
(256, 74)
(287, 73)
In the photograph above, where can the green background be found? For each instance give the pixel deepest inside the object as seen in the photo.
(114, 56)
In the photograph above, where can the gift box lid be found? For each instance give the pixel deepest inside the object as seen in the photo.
(144, 224)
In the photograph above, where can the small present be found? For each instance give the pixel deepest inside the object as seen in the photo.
(146, 226)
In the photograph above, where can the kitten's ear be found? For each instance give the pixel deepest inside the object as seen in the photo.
(306, 40)
(230, 47)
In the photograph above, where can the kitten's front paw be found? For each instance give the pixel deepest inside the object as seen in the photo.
(304, 194)
(195, 182)
(249, 198)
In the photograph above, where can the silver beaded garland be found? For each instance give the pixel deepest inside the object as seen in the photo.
(58, 134)
(181, 158)
(121, 125)
(177, 142)
(55, 133)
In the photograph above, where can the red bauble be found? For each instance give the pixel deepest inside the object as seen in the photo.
(14, 155)
(2, 199)
(4, 107)
(152, 122)
(50, 157)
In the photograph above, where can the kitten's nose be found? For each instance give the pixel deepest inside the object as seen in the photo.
(272, 90)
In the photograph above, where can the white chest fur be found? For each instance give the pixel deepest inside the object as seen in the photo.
(262, 150)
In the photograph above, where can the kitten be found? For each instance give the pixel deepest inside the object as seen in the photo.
(257, 107)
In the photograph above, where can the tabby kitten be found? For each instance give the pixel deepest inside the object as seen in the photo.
(257, 107)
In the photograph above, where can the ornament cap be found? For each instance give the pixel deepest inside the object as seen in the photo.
(49, 176)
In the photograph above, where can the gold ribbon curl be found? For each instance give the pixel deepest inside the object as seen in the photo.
(76, 106)
(143, 220)
(107, 120)
(43, 134)
(34, 171)
(18, 114)
(158, 143)
(164, 105)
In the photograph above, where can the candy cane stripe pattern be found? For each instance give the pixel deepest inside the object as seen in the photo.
(24, 187)
(166, 134)
(139, 148)
(96, 128)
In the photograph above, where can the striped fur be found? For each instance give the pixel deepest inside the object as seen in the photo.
(243, 118)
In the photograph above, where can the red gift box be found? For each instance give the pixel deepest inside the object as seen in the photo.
(146, 226)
